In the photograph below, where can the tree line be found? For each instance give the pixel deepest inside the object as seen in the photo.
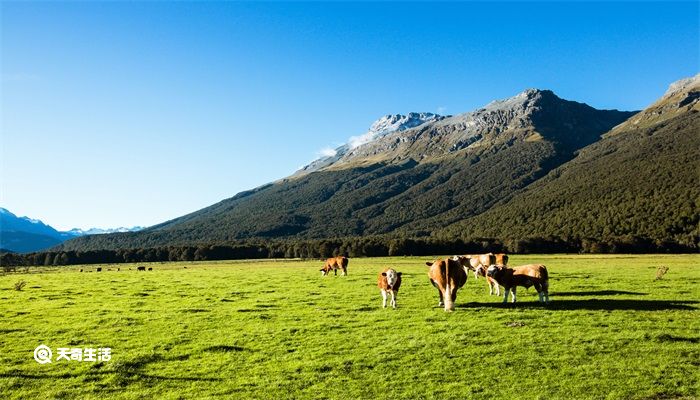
(374, 246)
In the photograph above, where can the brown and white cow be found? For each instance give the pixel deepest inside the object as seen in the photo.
(475, 262)
(526, 275)
(335, 263)
(389, 282)
(480, 263)
(447, 276)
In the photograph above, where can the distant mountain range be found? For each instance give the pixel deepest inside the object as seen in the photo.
(24, 234)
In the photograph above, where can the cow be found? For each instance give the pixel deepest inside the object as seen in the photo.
(474, 262)
(150, 268)
(447, 276)
(526, 275)
(81, 270)
(389, 281)
(501, 259)
(99, 269)
(335, 263)
(480, 263)
(141, 268)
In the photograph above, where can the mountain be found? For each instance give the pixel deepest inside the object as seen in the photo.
(99, 231)
(641, 180)
(409, 180)
(24, 234)
(380, 128)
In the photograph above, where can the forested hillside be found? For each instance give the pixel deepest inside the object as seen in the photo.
(409, 183)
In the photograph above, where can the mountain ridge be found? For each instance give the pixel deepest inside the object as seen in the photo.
(652, 195)
(406, 182)
(24, 234)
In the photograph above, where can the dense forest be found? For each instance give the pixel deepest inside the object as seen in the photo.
(374, 246)
(639, 182)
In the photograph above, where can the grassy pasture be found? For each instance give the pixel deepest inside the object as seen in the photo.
(277, 329)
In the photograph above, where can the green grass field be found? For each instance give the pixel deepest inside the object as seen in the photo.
(277, 329)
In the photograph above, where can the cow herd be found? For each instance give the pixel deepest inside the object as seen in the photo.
(450, 274)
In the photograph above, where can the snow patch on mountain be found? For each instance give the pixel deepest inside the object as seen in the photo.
(383, 126)
(99, 231)
(391, 123)
(682, 84)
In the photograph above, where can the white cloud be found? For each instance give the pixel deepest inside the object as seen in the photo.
(356, 141)
(441, 110)
(327, 152)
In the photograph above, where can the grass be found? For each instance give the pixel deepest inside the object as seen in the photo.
(277, 329)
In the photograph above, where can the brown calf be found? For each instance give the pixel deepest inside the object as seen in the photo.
(335, 263)
(447, 276)
(527, 275)
(389, 281)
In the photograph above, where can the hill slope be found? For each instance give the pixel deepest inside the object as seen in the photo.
(404, 182)
(641, 179)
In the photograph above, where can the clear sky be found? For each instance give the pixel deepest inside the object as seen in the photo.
(129, 113)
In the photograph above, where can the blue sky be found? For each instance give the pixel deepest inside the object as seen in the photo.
(129, 113)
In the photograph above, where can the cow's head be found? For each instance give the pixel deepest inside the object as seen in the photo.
(391, 277)
(464, 261)
(493, 271)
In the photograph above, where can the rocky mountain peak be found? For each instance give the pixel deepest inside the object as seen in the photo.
(681, 85)
(521, 101)
(380, 128)
(682, 96)
(399, 122)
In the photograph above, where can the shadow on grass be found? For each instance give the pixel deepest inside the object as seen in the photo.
(134, 376)
(670, 338)
(36, 376)
(597, 293)
(222, 348)
(595, 305)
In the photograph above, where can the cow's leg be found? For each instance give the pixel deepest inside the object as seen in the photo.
(540, 292)
(393, 299)
(505, 296)
(513, 293)
(545, 289)
(488, 282)
(497, 286)
(432, 282)
(384, 297)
